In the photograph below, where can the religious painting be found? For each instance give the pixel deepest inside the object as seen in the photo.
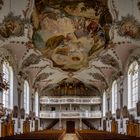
(71, 33)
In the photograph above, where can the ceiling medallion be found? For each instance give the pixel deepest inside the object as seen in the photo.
(129, 27)
(70, 74)
(70, 33)
(11, 26)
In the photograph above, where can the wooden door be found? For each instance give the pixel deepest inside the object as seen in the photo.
(70, 127)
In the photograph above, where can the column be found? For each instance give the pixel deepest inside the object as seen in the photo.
(21, 126)
(60, 108)
(104, 104)
(15, 125)
(39, 125)
(33, 128)
(1, 96)
(80, 124)
(60, 123)
(139, 80)
(30, 121)
(120, 93)
(0, 127)
(70, 107)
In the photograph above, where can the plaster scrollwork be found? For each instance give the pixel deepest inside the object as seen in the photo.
(114, 12)
(28, 11)
(6, 55)
(113, 9)
(134, 58)
(21, 76)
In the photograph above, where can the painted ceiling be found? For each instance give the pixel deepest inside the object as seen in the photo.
(71, 33)
(76, 43)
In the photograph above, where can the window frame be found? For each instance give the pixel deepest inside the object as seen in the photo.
(36, 104)
(114, 96)
(7, 98)
(132, 79)
(26, 96)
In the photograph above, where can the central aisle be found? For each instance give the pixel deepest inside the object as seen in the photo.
(70, 137)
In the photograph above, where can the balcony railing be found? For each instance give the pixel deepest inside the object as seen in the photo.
(70, 100)
(70, 114)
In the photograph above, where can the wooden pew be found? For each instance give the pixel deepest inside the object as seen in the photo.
(101, 135)
(7, 128)
(133, 128)
(46, 134)
(26, 126)
(114, 127)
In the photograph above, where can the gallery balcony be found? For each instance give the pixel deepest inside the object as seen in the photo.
(70, 114)
(70, 100)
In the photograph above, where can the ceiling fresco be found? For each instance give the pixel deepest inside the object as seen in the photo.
(71, 33)
(78, 46)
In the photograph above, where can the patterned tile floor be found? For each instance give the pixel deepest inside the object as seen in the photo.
(70, 137)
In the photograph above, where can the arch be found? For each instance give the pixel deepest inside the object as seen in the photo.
(8, 77)
(114, 96)
(26, 96)
(104, 104)
(132, 77)
(36, 104)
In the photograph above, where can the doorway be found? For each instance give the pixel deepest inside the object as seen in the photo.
(70, 127)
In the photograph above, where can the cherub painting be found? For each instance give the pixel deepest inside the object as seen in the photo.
(70, 33)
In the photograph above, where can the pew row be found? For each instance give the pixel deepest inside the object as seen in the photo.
(44, 134)
(102, 135)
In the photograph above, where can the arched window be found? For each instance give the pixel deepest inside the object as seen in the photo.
(36, 103)
(104, 104)
(114, 96)
(26, 96)
(8, 94)
(133, 85)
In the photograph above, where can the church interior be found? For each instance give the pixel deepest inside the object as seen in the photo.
(70, 69)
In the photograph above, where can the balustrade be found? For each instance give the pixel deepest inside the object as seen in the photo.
(70, 114)
(70, 100)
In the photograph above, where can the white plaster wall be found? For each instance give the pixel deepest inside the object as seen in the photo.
(15, 93)
(95, 123)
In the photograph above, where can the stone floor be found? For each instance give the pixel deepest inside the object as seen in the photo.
(70, 137)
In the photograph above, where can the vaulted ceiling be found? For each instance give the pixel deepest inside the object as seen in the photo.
(70, 43)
